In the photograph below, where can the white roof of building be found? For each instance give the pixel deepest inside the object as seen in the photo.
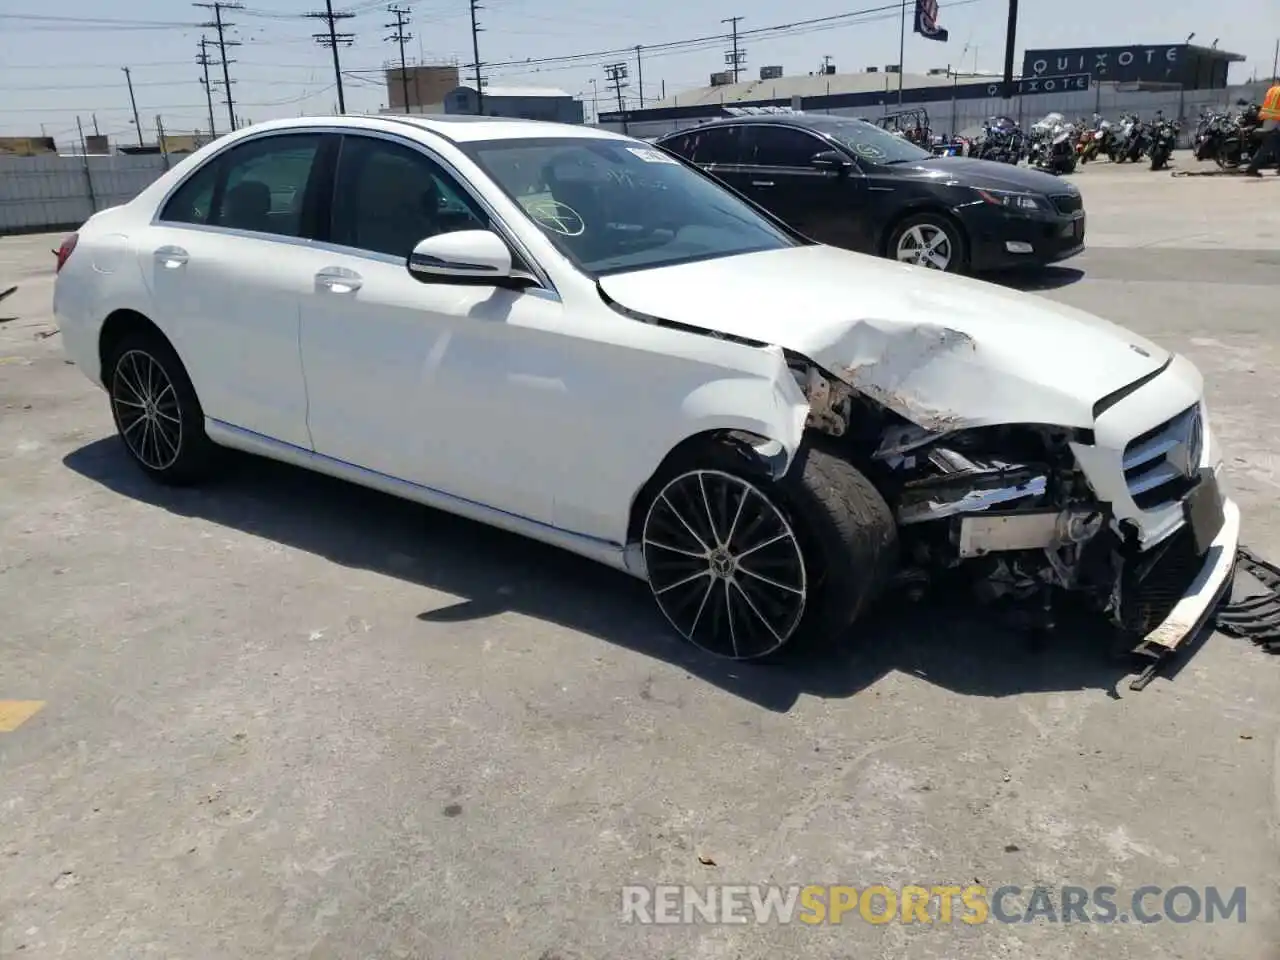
(492, 91)
(818, 85)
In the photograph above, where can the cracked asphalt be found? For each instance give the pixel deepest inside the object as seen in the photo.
(285, 717)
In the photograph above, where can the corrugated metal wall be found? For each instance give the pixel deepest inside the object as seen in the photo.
(53, 192)
(947, 116)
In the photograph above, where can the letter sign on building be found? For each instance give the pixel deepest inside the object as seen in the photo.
(1162, 63)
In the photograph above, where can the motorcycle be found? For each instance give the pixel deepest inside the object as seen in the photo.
(1241, 139)
(1097, 142)
(1164, 135)
(1053, 145)
(1214, 127)
(1124, 137)
(1001, 141)
(1139, 144)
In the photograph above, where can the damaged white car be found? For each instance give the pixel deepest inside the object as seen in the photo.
(574, 336)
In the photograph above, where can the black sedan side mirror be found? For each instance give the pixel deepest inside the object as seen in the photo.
(830, 160)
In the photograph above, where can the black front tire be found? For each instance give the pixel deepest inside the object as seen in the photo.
(843, 532)
(156, 411)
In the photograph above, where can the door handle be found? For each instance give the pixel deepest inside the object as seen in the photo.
(762, 183)
(338, 280)
(171, 258)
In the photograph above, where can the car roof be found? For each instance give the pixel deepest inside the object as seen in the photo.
(775, 119)
(455, 128)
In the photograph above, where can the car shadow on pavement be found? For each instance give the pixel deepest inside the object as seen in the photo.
(944, 641)
(1031, 281)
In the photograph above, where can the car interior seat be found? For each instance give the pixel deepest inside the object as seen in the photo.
(248, 206)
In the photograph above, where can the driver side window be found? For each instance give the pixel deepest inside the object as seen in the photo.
(388, 197)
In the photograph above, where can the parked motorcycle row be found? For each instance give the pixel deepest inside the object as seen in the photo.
(1058, 146)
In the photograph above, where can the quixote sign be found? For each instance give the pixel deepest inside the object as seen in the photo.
(1160, 63)
(1033, 85)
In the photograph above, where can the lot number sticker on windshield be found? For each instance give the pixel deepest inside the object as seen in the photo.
(650, 156)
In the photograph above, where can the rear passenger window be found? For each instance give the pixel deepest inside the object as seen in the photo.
(259, 186)
(715, 145)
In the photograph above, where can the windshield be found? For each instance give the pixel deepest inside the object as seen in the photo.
(870, 143)
(617, 205)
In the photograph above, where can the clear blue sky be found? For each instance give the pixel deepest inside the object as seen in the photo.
(51, 69)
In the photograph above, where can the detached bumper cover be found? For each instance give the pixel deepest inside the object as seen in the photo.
(1200, 600)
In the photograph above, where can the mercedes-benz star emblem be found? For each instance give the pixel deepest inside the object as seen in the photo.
(1194, 444)
(1137, 349)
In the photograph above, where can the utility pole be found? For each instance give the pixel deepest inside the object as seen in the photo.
(205, 62)
(133, 103)
(639, 76)
(1011, 34)
(402, 20)
(222, 26)
(736, 57)
(475, 52)
(331, 40)
(595, 103)
(902, 47)
(616, 74)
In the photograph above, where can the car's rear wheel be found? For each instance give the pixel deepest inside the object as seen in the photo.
(928, 240)
(743, 566)
(156, 411)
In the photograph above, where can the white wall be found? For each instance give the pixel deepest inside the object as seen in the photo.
(48, 192)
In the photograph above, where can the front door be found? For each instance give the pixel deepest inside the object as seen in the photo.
(424, 382)
(226, 265)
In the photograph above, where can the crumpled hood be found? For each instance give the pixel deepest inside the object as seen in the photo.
(946, 352)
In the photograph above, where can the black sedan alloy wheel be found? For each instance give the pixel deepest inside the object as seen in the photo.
(724, 565)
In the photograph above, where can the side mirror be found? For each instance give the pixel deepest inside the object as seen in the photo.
(830, 160)
(466, 256)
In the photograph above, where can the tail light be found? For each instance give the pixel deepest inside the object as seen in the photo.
(64, 251)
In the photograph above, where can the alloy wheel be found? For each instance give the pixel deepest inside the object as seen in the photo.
(925, 245)
(724, 565)
(146, 409)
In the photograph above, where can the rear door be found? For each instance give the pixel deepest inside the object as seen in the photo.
(776, 170)
(225, 262)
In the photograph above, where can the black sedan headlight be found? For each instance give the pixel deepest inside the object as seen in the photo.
(1017, 201)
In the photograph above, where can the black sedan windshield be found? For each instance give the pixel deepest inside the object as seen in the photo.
(617, 205)
(868, 142)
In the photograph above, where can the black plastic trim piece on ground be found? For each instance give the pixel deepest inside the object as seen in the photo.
(1255, 618)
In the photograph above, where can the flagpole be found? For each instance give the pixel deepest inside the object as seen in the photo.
(902, 46)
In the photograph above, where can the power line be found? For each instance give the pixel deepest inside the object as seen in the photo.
(475, 52)
(333, 40)
(222, 26)
(402, 20)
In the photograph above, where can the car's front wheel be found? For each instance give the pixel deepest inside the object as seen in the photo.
(742, 565)
(928, 240)
(156, 411)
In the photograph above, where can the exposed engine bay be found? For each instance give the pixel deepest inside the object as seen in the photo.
(1009, 507)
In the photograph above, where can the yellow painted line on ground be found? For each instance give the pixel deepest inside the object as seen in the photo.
(14, 713)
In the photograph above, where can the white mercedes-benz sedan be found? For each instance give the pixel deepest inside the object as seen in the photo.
(576, 336)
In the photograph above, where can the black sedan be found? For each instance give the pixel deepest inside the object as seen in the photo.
(850, 184)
